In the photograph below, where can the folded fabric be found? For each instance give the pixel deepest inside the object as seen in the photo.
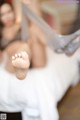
(38, 94)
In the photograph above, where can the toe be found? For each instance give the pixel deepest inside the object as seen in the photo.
(16, 55)
(19, 55)
(13, 57)
(21, 60)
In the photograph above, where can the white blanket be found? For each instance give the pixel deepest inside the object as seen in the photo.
(37, 96)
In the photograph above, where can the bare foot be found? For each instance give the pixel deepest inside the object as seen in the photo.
(21, 63)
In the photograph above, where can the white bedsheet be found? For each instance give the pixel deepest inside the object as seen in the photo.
(37, 96)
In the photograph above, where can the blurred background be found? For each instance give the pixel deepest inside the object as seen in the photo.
(61, 15)
(64, 17)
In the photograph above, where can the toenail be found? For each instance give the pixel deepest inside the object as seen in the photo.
(13, 57)
(16, 55)
(19, 55)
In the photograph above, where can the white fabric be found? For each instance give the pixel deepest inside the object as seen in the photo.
(38, 94)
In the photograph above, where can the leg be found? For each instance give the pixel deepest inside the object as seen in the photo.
(38, 47)
(38, 55)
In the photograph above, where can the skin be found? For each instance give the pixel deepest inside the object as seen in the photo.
(37, 45)
(22, 53)
(18, 59)
(9, 21)
(7, 15)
